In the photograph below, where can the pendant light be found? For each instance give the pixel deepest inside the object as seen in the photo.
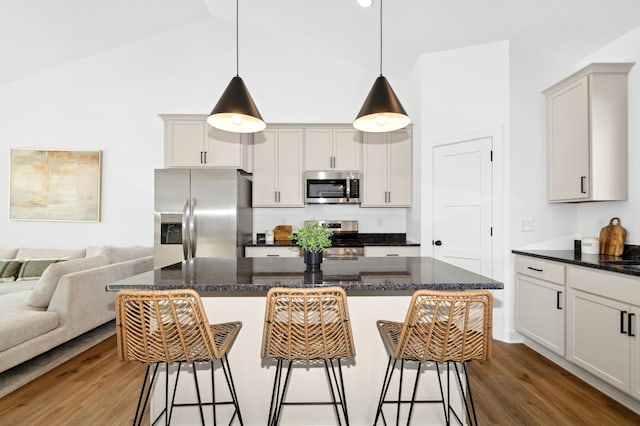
(235, 111)
(381, 111)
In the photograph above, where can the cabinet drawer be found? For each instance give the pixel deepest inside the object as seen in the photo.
(542, 269)
(292, 251)
(398, 251)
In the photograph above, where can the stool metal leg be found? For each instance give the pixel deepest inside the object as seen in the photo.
(226, 368)
(385, 387)
(145, 387)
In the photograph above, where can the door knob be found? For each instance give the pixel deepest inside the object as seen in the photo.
(437, 242)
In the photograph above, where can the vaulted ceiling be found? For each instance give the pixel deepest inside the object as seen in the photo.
(36, 35)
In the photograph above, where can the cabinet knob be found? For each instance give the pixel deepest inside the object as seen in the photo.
(437, 243)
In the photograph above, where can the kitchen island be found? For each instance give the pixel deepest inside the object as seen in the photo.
(233, 289)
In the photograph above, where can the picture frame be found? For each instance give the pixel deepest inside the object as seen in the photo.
(55, 185)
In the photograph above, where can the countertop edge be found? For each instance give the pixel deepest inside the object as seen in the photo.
(593, 261)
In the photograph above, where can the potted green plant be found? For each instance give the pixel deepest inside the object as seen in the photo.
(313, 238)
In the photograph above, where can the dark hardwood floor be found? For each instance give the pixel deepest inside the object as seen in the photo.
(515, 387)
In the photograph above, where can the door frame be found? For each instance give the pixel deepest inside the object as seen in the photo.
(496, 134)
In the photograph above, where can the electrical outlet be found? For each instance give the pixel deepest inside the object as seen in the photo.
(526, 224)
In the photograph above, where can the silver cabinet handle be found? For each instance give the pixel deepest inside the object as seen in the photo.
(193, 229)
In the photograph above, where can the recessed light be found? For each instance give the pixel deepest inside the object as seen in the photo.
(365, 3)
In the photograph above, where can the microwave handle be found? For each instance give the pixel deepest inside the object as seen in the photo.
(348, 194)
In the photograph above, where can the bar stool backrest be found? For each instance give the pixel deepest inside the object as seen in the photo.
(164, 326)
(307, 324)
(447, 326)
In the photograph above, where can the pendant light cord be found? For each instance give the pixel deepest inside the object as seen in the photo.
(237, 49)
(381, 37)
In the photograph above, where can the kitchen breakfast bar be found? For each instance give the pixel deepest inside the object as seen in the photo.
(234, 289)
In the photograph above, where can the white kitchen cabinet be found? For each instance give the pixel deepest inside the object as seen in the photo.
(272, 251)
(540, 302)
(333, 148)
(392, 251)
(386, 169)
(189, 141)
(587, 135)
(277, 168)
(602, 326)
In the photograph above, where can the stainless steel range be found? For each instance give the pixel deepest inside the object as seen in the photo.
(345, 242)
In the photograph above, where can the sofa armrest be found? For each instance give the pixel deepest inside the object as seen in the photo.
(80, 299)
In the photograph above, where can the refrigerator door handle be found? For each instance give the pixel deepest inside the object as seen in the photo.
(193, 233)
(185, 230)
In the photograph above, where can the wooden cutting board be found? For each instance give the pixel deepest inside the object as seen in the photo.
(612, 238)
(282, 232)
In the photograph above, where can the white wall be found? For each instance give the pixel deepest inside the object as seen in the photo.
(110, 102)
(593, 216)
(459, 91)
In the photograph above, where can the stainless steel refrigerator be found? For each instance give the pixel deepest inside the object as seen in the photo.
(201, 213)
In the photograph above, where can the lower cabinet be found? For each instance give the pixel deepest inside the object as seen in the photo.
(398, 251)
(540, 313)
(603, 325)
(272, 251)
(599, 329)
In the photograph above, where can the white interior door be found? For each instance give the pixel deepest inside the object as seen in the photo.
(462, 175)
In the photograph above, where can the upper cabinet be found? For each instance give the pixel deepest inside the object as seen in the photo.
(386, 169)
(189, 141)
(333, 148)
(587, 135)
(277, 168)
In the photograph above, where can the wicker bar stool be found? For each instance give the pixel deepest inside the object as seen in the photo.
(307, 326)
(167, 327)
(451, 327)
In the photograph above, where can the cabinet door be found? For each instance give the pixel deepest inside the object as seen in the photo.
(319, 149)
(634, 339)
(594, 338)
(374, 170)
(184, 143)
(568, 142)
(399, 182)
(289, 160)
(223, 149)
(265, 168)
(540, 312)
(347, 149)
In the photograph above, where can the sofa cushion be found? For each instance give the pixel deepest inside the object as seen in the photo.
(9, 269)
(31, 253)
(13, 286)
(20, 322)
(8, 253)
(43, 290)
(33, 269)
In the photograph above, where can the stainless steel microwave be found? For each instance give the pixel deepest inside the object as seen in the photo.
(331, 187)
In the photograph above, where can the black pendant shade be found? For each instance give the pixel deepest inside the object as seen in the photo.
(236, 111)
(381, 111)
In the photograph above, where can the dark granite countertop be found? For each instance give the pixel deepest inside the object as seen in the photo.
(369, 239)
(388, 275)
(596, 261)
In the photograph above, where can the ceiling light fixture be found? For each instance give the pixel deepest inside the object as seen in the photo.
(365, 3)
(235, 111)
(381, 111)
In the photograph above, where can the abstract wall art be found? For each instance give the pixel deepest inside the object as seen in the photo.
(55, 185)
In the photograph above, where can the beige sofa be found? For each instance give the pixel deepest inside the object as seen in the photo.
(58, 295)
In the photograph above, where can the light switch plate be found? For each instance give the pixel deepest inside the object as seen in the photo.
(526, 224)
